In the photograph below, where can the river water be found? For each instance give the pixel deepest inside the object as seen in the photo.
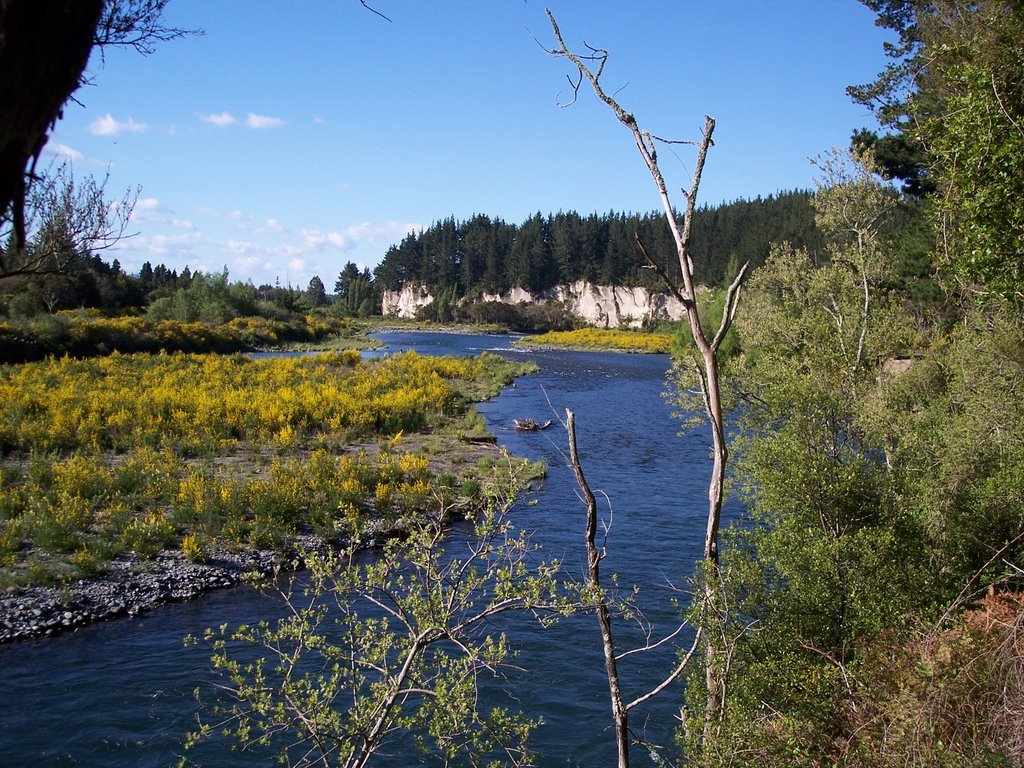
(121, 693)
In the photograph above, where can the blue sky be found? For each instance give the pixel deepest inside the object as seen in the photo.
(295, 136)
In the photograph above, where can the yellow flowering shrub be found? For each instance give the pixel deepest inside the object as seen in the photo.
(597, 338)
(10, 542)
(199, 404)
(148, 535)
(192, 548)
(206, 501)
(123, 452)
(81, 476)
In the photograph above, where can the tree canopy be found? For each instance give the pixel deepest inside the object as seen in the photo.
(952, 103)
(489, 255)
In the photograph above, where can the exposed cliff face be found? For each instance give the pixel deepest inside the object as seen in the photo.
(610, 306)
(405, 302)
(605, 306)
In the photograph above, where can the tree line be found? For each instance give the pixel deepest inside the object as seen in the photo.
(489, 255)
(868, 609)
(454, 259)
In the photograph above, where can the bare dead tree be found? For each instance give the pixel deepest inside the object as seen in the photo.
(590, 68)
(601, 603)
(620, 714)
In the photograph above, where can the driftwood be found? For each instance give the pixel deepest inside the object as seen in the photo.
(531, 425)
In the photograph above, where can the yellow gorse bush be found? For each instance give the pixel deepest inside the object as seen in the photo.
(83, 333)
(204, 403)
(147, 501)
(596, 338)
(123, 452)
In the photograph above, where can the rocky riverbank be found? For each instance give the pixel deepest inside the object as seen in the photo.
(131, 586)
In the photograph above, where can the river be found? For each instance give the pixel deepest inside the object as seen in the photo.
(121, 693)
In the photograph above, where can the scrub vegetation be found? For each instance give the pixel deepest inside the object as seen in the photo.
(596, 338)
(868, 407)
(142, 452)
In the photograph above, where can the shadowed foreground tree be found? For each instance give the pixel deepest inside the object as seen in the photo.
(44, 49)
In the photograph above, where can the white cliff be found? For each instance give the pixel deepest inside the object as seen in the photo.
(604, 306)
(405, 302)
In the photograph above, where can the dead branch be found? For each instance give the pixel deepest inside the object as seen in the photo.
(373, 10)
(708, 350)
(649, 646)
(652, 264)
(619, 713)
(680, 668)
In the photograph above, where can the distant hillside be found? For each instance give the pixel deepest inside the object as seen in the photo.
(485, 255)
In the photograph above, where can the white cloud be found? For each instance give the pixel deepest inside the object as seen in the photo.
(351, 237)
(149, 209)
(160, 248)
(263, 121)
(109, 126)
(252, 120)
(259, 249)
(242, 247)
(222, 120)
(64, 152)
(235, 215)
(148, 204)
(316, 239)
(271, 226)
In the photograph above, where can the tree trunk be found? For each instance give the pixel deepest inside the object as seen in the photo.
(620, 714)
(591, 67)
(44, 48)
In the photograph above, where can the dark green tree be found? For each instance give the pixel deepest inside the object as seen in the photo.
(348, 273)
(316, 294)
(955, 88)
(976, 142)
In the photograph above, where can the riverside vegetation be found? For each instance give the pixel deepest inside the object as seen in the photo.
(89, 333)
(604, 339)
(143, 452)
(867, 610)
(664, 338)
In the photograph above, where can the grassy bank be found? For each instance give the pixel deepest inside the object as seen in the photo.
(143, 452)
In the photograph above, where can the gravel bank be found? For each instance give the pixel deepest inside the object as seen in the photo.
(131, 586)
